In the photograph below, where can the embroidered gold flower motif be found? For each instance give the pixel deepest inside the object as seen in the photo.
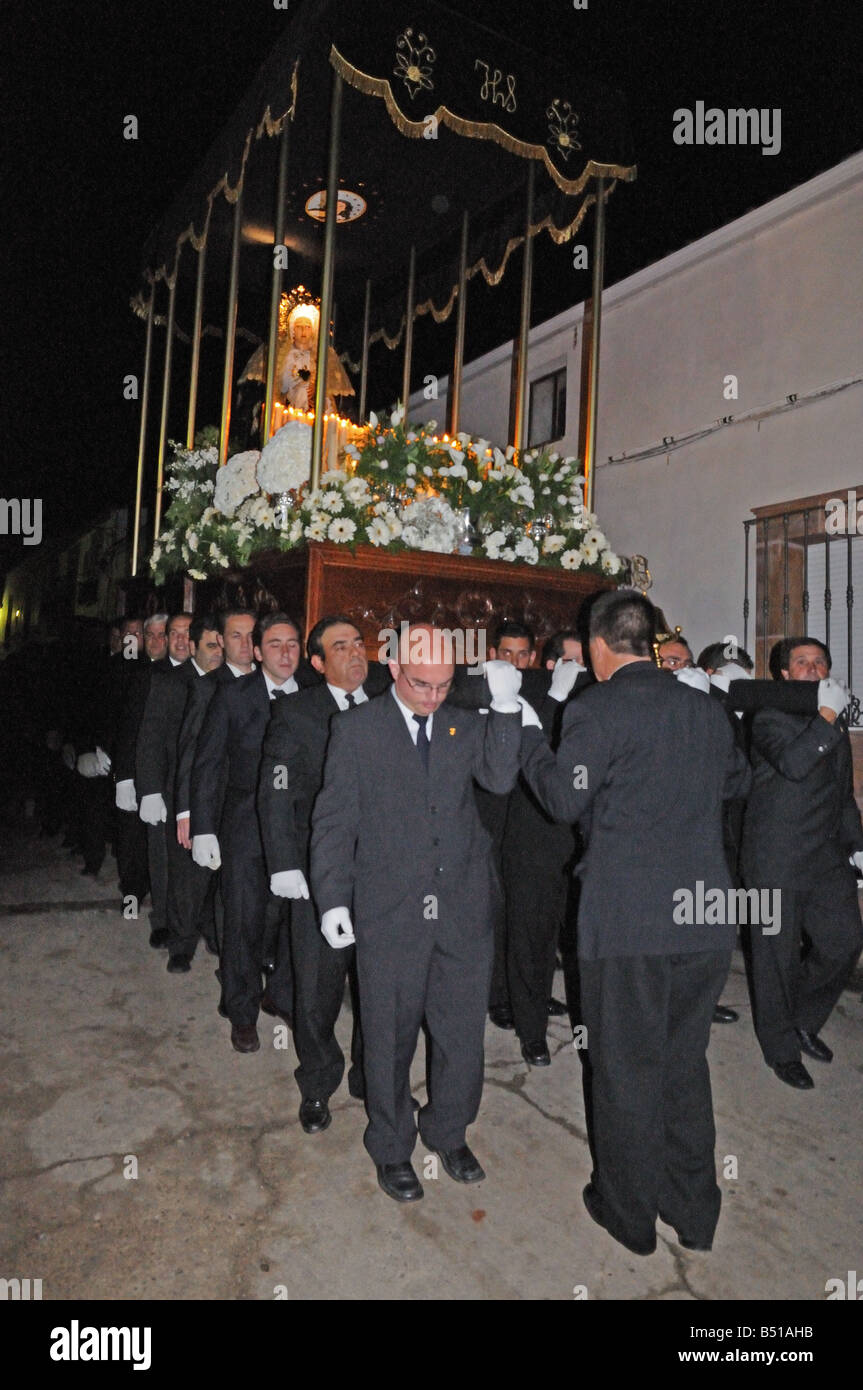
(413, 62)
(563, 127)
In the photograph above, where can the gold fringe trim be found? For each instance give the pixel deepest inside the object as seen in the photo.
(476, 130)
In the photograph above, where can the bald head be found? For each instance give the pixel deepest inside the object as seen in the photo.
(424, 672)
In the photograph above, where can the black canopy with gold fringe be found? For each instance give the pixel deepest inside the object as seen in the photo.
(439, 116)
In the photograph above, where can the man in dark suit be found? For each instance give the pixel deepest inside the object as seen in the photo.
(648, 980)
(224, 823)
(399, 849)
(801, 828)
(292, 770)
(189, 914)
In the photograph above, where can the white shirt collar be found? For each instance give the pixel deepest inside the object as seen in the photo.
(289, 687)
(340, 696)
(413, 726)
(235, 670)
(173, 662)
(197, 667)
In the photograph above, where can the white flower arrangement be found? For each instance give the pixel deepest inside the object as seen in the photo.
(341, 530)
(430, 523)
(571, 560)
(235, 482)
(285, 462)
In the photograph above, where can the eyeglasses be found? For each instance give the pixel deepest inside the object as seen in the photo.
(423, 687)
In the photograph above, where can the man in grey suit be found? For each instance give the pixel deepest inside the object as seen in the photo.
(649, 980)
(398, 849)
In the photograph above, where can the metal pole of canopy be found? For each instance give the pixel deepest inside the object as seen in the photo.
(596, 321)
(520, 440)
(332, 211)
(461, 313)
(196, 347)
(142, 435)
(231, 329)
(409, 330)
(364, 368)
(276, 286)
(166, 393)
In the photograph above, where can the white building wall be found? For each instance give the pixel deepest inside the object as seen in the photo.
(775, 298)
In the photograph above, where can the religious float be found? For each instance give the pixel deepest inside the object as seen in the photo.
(393, 152)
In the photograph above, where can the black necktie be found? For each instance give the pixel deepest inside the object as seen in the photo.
(349, 701)
(422, 739)
(279, 694)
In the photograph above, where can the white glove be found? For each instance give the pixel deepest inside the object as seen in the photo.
(695, 677)
(153, 809)
(563, 678)
(337, 927)
(529, 716)
(205, 851)
(124, 796)
(88, 765)
(833, 694)
(68, 755)
(103, 760)
(504, 682)
(728, 673)
(290, 883)
(856, 862)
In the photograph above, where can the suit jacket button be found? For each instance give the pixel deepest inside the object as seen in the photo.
(439, 869)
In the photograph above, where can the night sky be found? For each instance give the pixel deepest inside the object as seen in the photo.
(79, 200)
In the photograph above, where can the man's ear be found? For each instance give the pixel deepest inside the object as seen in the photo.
(394, 669)
(318, 663)
(258, 656)
(786, 675)
(492, 653)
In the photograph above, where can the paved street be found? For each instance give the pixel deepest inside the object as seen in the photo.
(111, 1066)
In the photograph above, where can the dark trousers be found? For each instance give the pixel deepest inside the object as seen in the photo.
(157, 863)
(94, 796)
(249, 906)
(405, 978)
(320, 972)
(191, 898)
(789, 993)
(647, 1089)
(535, 903)
(493, 813)
(132, 869)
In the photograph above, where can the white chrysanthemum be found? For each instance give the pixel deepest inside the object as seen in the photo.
(256, 511)
(589, 552)
(611, 563)
(393, 525)
(552, 544)
(236, 481)
(378, 532)
(332, 501)
(316, 531)
(507, 553)
(286, 460)
(342, 529)
(571, 559)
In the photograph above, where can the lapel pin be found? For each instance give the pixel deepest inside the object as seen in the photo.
(452, 732)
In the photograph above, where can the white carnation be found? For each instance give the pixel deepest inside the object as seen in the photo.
(552, 544)
(236, 481)
(285, 463)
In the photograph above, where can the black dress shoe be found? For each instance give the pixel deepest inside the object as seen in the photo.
(501, 1016)
(159, 938)
(461, 1164)
(722, 1014)
(536, 1053)
(593, 1202)
(268, 1006)
(702, 1246)
(794, 1074)
(556, 1009)
(245, 1039)
(813, 1046)
(399, 1181)
(223, 1012)
(315, 1116)
(179, 964)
